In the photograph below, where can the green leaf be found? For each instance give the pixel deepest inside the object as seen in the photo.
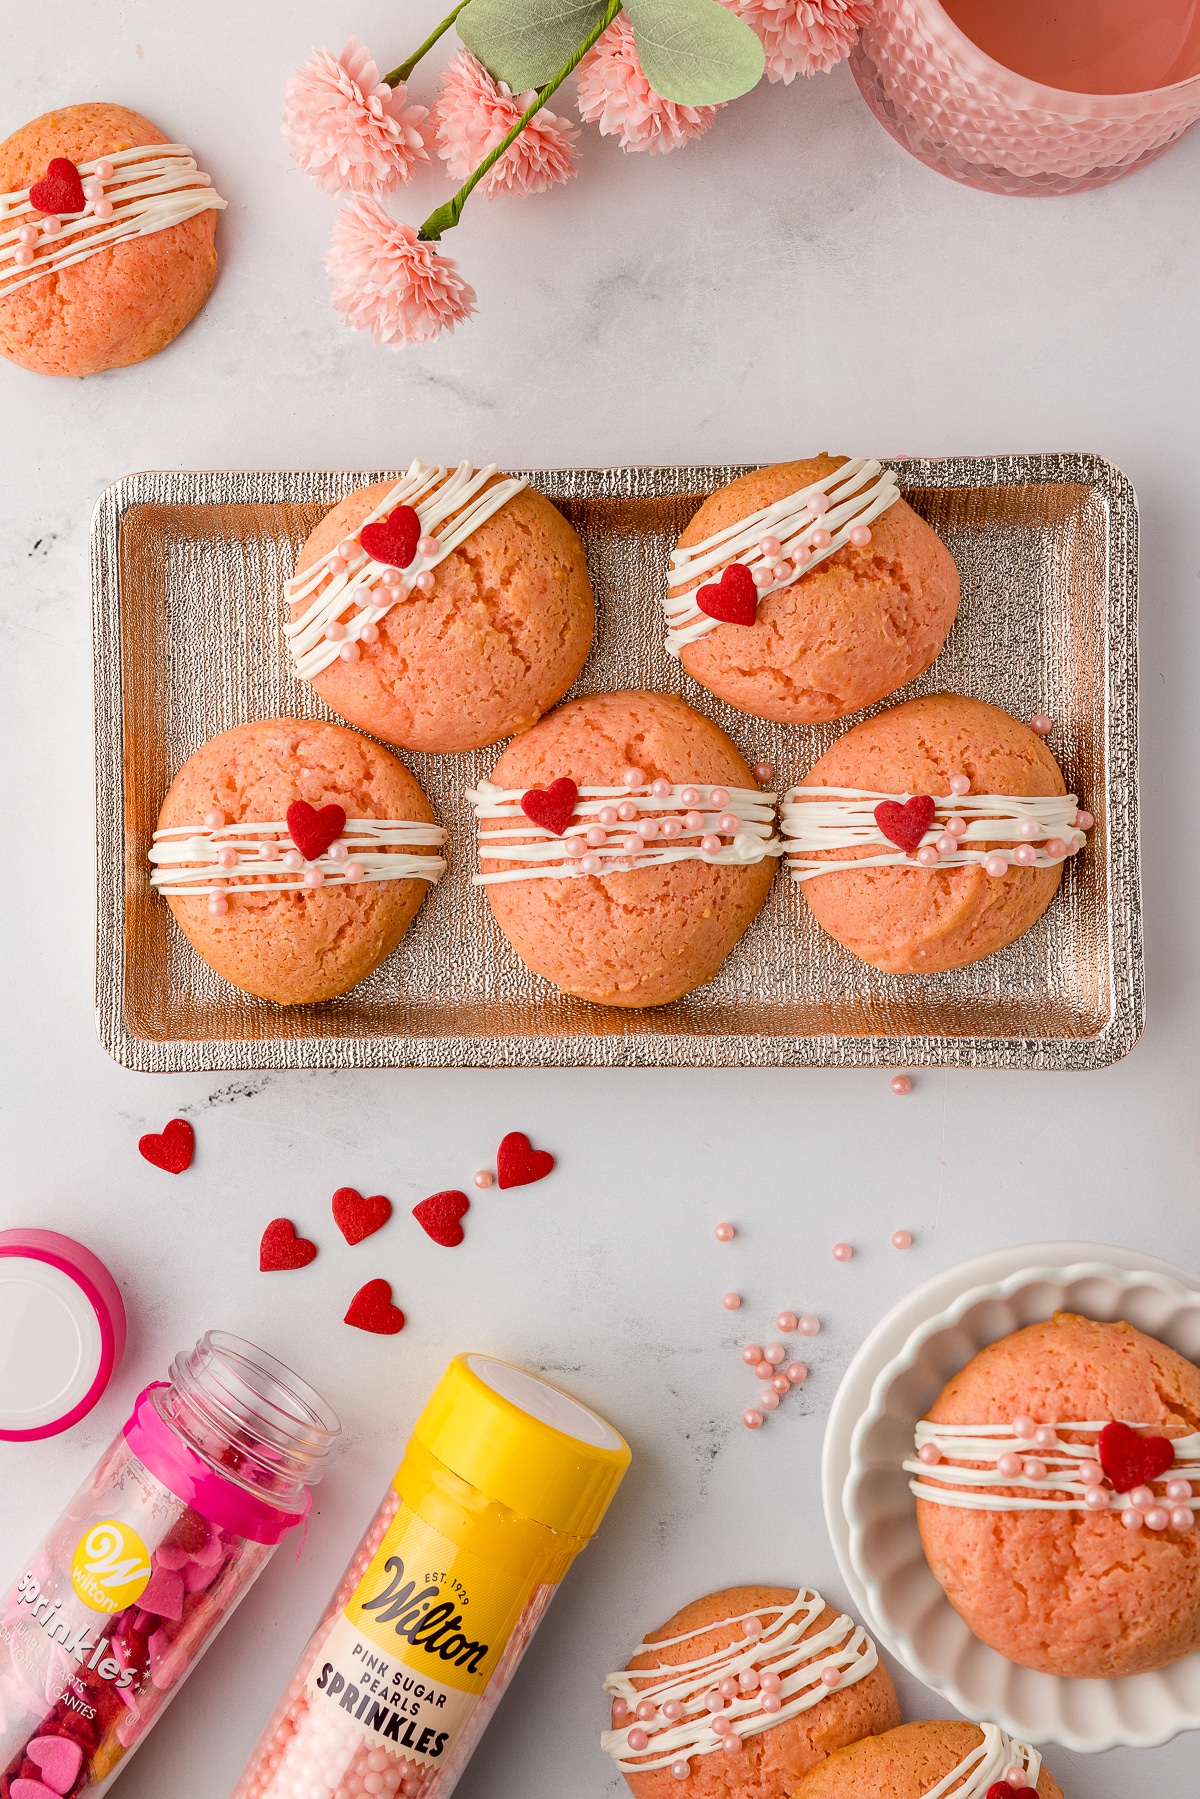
(693, 51)
(526, 42)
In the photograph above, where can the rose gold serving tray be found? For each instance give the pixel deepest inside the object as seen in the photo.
(187, 571)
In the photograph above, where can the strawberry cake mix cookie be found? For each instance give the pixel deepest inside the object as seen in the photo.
(106, 240)
(1056, 1480)
(805, 591)
(624, 847)
(741, 1693)
(294, 856)
(443, 611)
(957, 822)
(941, 1758)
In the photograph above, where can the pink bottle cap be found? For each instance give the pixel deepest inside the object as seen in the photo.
(62, 1333)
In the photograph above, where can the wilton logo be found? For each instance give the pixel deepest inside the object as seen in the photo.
(437, 1629)
(110, 1567)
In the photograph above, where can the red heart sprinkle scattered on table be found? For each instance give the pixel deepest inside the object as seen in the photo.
(59, 1760)
(518, 1163)
(311, 831)
(59, 190)
(551, 807)
(393, 539)
(282, 1248)
(357, 1217)
(1131, 1461)
(171, 1148)
(905, 825)
(439, 1215)
(371, 1309)
(734, 599)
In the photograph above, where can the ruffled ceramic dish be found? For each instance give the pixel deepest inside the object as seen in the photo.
(892, 1381)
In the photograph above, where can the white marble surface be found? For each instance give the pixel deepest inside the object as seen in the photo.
(790, 282)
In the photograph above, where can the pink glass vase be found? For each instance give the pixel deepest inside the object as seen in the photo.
(962, 113)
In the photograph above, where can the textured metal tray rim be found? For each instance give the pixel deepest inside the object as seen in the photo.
(1110, 1044)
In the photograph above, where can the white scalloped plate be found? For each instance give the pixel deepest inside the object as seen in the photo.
(892, 1381)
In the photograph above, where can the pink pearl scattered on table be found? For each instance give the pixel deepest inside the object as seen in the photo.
(764, 1369)
(724, 1233)
(860, 536)
(731, 1301)
(809, 1326)
(821, 538)
(483, 1177)
(843, 1252)
(796, 1373)
(637, 1740)
(819, 503)
(786, 1322)
(768, 1399)
(960, 784)
(781, 1383)
(1042, 723)
(752, 1355)
(775, 1353)
(765, 771)
(752, 1420)
(901, 1084)
(902, 1240)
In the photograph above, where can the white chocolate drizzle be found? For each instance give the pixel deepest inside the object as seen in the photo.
(988, 1763)
(150, 189)
(835, 818)
(1060, 1489)
(857, 492)
(545, 854)
(779, 1648)
(336, 585)
(186, 857)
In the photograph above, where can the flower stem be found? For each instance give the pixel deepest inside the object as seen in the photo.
(405, 69)
(447, 216)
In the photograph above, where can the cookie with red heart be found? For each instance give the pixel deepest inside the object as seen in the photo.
(933, 1755)
(115, 303)
(305, 783)
(649, 934)
(907, 919)
(1060, 1588)
(844, 634)
(496, 637)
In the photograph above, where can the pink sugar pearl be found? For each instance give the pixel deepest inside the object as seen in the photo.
(1025, 855)
(1009, 1465)
(1157, 1517)
(731, 1301)
(768, 1399)
(1096, 1499)
(809, 1326)
(217, 904)
(860, 536)
(428, 546)
(1054, 847)
(350, 652)
(770, 1681)
(596, 835)
(24, 256)
(647, 828)
(724, 1233)
(901, 1084)
(995, 865)
(1023, 1426)
(1035, 1468)
(796, 1373)
(1178, 1490)
(103, 207)
(660, 789)
(761, 575)
(786, 1322)
(314, 877)
(728, 823)
(765, 771)
(483, 1177)
(633, 777)
(902, 1240)
(672, 1709)
(28, 234)
(293, 861)
(781, 1383)
(752, 1354)
(732, 1744)
(1029, 829)
(748, 1680)
(775, 1352)
(821, 538)
(770, 547)
(424, 581)
(689, 796)
(728, 1686)
(842, 1252)
(1084, 820)
(929, 1454)
(620, 1710)
(831, 1677)
(627, 811)
(1131, 1519)
(355, 872)
(1045, 1436)
(960, 784)
(637, 1740)
(227, 856)
(591, 865)
(1042, 723)
(771, 1702)
(693, 822)
(710, 845)
(672, 827)
(946, 844)
(607, 815)
(718, 797)
(721, 1727)
(752, 1420)
(956, 826)
(681, 1770)
(214, 819)
(646, 1710)
(714, 1699)
(1182, 1517)
(752, 1626)
(818, 503)
(763, 1369)
(102, 169)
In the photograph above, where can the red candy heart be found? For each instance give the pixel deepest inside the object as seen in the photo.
(59, 190)
(392, 539)
(371, 1309)
(311, 831)
(171, 1148)
(551, 807)
(1000, 1789)
(357, 1217)
(734, 599)
(282, 1248)
(1131, 1461)
(438, 1216)
(905, 825)
(59, 1759)
(517, 1163)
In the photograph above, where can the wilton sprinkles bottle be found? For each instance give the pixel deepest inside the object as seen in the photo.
(505, 1479)
(148, 1561)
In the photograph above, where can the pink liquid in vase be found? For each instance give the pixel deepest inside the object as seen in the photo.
(1087, 46)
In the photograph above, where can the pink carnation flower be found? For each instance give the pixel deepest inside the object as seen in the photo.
(803, 37)
(614, 94)
(387, 281)
(473, 114)
(347, 129)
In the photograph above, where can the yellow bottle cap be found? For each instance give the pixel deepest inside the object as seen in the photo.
(524, 1443)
